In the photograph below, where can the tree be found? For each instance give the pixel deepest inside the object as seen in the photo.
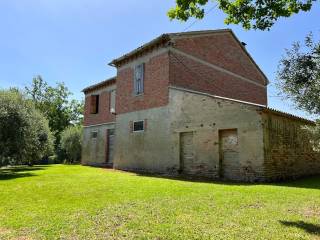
(55, 104)
(298, 75)
(299, 79)
(25, 136)
(71, 139)
(256, 14)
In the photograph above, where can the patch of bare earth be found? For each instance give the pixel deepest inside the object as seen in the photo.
(313, 211)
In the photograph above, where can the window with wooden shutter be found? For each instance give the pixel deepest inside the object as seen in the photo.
(138, 79)
(94, 104)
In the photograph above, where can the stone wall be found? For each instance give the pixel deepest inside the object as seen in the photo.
(205, 116)
(94, 147)
(288, 152)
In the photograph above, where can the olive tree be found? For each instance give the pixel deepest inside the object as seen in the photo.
(25, 136)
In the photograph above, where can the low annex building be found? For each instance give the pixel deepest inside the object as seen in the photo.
(193, 103)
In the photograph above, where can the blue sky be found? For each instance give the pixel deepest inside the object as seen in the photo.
(73, 40)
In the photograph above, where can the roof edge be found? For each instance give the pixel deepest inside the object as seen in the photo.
(288, 115)
(100, 84)
(162, 38)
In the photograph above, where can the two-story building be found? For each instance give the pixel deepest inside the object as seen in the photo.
(193, 103)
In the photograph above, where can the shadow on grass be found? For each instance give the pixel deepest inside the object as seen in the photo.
(19, 172)
(312, 182)
(307, 227)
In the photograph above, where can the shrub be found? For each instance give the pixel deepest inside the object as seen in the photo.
(25, 136)
(71, 140)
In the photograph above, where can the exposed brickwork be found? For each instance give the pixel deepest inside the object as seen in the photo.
(288, 152)
(156, 80)
(104, 115)
(190, 74)
(223, 50)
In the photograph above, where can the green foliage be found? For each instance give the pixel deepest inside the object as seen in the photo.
(299, 80)
(71, 139)
(299, 75)
(315, 136)
(55, 104)
(25, 136)
(256, 14)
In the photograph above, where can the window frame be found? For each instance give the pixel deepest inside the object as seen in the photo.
(143, 125)
(138, 89)
(110, 101)
(97, 103)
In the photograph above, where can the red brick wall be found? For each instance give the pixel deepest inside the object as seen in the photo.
(156, 81)
(190, 74)
(104, 115)
(223, 50)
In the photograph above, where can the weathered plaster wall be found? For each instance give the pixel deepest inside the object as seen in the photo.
(94, 149)
(288, 152)
(205, 116)
(150, 150)
(157, 149)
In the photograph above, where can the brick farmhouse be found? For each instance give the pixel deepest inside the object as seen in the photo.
(193, 103)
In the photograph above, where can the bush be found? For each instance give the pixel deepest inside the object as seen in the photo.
(71, 139)
(315, 136)
(25, 136)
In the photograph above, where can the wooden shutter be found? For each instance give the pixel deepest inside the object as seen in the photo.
(93, 104)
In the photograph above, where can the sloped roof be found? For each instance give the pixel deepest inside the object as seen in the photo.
(165, 39)
(104, 83)
(288, 115)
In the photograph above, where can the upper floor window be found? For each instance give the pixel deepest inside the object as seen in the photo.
(94, 104)
(112, 105)
(138, 79)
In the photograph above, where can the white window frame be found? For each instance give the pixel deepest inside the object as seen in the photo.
(138, 130)
(138, 78)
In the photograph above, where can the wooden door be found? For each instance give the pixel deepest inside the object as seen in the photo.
(187, 158)
(229, 154)
(110, 145)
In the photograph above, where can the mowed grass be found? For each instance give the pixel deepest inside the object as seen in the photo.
(78, 202)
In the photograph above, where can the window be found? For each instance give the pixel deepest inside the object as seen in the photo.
(138, 126)
(94, 134)
(138, 79)
(94, 104)
(112, 105)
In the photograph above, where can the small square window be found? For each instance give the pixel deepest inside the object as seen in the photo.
(138, 126)
(94, 134)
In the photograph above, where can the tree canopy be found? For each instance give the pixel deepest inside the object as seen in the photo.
(299, 75)
(25, 136)
(256, 14)
(56, 105)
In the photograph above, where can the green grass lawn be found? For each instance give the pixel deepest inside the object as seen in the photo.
(77, 202)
